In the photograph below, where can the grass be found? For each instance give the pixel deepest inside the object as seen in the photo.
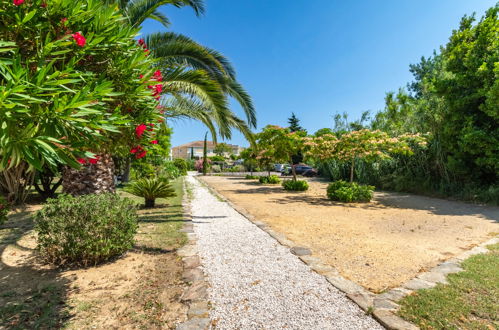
(159, 227)
(469, 301)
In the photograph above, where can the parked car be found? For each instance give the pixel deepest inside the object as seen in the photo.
(279, 167)
(299, 169)
(310, 173)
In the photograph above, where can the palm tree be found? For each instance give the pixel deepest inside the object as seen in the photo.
(198, 81)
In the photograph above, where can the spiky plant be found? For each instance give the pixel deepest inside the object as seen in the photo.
(150, 189)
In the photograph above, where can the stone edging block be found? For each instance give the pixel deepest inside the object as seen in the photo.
(383, 306)
(195, 295)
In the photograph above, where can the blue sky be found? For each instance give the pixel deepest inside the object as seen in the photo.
(319, 57)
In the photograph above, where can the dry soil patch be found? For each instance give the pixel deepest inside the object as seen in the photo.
(380, 244)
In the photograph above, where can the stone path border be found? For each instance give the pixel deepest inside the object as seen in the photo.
(195, 296)
(383, 307)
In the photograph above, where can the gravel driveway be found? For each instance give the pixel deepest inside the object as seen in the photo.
(256, 283)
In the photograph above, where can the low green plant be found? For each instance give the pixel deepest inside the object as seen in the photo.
(298, 185)
(85, 230)
(169, 170)
(150, 189)
(251, 177)
(216, 168)
(349, 192)
(182, 165)
(237, 168)
(271, 179)
(4, 209)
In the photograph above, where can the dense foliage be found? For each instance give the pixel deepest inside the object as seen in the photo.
(150, 189)
(455, 98)
(349, 192)
(295, 185)
(453, 102)
(85, 230)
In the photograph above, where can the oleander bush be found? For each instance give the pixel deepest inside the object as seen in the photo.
(349, 192)
(85, 230)
(298, 185)
(150, 189)
(271, 179)
(4, 209)
(251, 177)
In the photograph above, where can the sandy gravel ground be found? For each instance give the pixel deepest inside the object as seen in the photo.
(256, 283)
(379, 244)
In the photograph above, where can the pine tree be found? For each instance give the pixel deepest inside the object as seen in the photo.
(294, 126)
(294, 123)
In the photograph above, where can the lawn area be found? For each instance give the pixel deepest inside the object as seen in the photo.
(469, 301)
(380, 244)
(140, 289)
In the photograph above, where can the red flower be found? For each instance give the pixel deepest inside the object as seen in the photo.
(94, 160)
(43, 5)
(139, 130)
(81, 160)
(141, 154)
(141, 42)
(157, 75)
(134, 150)
(64, 20)
(18, 2)
(79, 38)
(141, 76)
(154, 141)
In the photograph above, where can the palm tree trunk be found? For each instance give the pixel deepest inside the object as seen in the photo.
(150, 203)
(90, 178)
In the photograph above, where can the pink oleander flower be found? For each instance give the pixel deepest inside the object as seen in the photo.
(139, 130)
(81, 160)
(154, 141)
(94, 160)
(18, 2)
(79, 38)
(157, 76)
(141, 154)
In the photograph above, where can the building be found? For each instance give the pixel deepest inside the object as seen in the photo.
(194, 150)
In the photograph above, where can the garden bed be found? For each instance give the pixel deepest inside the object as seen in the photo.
(138, 290)
(379, 245)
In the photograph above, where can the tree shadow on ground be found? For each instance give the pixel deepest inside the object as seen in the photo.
(31, 297)
(385, 200)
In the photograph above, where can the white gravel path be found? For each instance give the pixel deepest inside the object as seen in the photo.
(256, 283)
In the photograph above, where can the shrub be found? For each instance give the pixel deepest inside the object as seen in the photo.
(182, 165)
(217, 158)
(271, 179)
(298, 185)
(238, 168)
(85, 230)
(4, 209)
(216, 168)
(251, 177)
(150, 189)
(169, 171)
(199, 165)
(349, 192)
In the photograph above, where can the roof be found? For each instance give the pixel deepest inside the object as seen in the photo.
(200, 144)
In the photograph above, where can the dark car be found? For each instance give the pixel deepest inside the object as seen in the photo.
(310, 173)
(299, 169)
